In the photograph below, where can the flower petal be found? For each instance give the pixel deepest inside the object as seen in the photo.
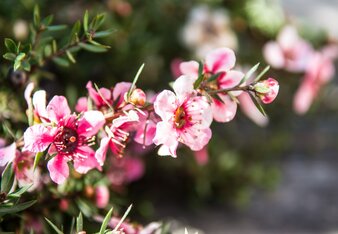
(230, 79)
(37, 138)
(90, 123)
(7, 154)
(189, 68)
(58, 108)
(218, 60)
(184, 86)
(87, 161)
(166, 135)
(39, 103)
(226, 111)
(101, 152)
(165, 104)
(58, 169)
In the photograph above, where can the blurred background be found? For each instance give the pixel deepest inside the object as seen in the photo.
(279, 177)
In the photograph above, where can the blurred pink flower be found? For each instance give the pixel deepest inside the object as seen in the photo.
(289, 51)
(251, 111)
(185, 118)
(22, 165)
(125, 170)
(219, 61)
(202, 156)
(68, 136)
(319, 72)
(101, 196)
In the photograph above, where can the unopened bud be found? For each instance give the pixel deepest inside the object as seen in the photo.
(138, 97)
(267, 90)
(89, 191)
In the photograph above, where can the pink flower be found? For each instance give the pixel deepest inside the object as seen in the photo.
(68, 136)
(101, 196)
(24, 171)
(185, 116)
(219, 61)
(267, 90)
(290, 51)
(100, 97)
(103, 98)
(117, 136)
(320, 71)
(125, 170)
(202, 156)
(22, 165)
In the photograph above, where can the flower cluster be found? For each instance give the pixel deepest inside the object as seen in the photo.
(113, 118)
(294, 54)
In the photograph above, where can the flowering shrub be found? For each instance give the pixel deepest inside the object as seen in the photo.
(76, 152)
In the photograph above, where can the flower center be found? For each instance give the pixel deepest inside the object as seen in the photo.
(180, 117)
(66, 140)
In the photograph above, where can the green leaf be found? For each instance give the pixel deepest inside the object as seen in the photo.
(257, 104)
(104, 33)
(97, 22)
(106, 221)
(57, 27)
(198, 82)
(92, 48)
(260, 75)
(123, 218)
(85, 207)
(200, 69)
(61, 61)
(16, 208)
(54, 46)
(26, 66)
(37, 158)
(56, 229)
(134, 81)
(74, 36)
(7, 178)
(98, 44)
(36, 16)
(19, 192)
(214, 77)
(79, 223)
(48, 20)
(18, 61)
(10, 45)
(85, 21)
(249, 74)
(70, 56)
(9, 56)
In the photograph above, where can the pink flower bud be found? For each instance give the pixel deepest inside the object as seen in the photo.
(138, 97)
(267, 90)
(64, 204)
(101, 196)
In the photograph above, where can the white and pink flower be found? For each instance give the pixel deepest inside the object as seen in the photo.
(219, 61)
(185, 117)
(66, 135)
(289, 51)
(319, 72)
